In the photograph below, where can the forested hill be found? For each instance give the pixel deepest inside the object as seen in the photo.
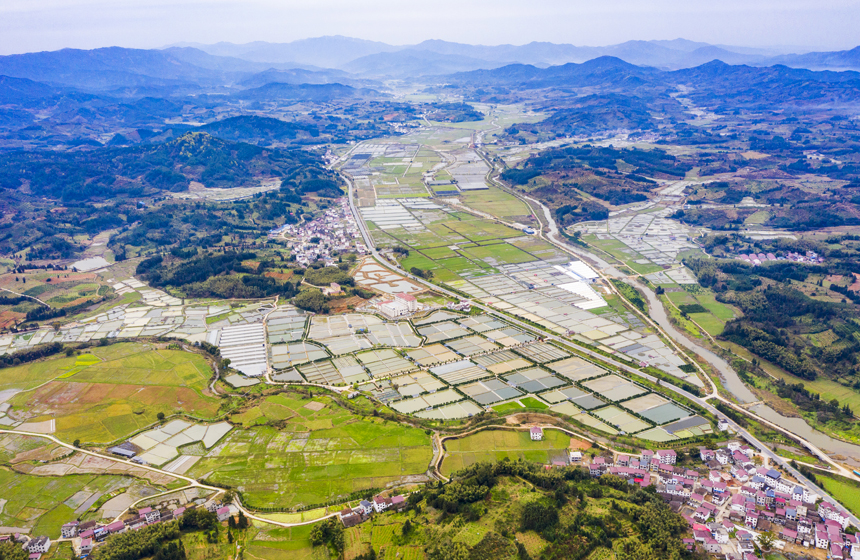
(148, 169)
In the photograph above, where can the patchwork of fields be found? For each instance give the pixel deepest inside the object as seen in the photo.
(322, 452)
(110, 392)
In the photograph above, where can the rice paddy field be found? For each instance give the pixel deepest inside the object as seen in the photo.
(280, 543)
(494, 445)
(715, 315)
(110, 392)
(457, 245)
(319, 452)
(43, 504)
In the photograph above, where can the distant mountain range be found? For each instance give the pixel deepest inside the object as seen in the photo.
(227, 68)
(433, 57)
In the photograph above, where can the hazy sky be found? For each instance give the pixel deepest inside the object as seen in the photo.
(34, 25)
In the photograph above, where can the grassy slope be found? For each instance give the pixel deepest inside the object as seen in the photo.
(123, 391)
(497, 444)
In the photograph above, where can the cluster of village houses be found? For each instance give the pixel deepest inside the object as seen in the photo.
(728, 498)
(735, 497)
(86, 535)
(335, 231)
(757, 259)
(362, 512)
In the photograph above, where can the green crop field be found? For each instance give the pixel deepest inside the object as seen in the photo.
(280, 543)
(500, 253)
(712, 325)
(112, 391)
(496, 202)
(418, 260)
(313, 456)
(532, 402)
(848, 493)
(537, 247)
(439, 253)
(44, 503)
(717, 313)
(718, 309)
(480, 230)
(31, 375)
(460, 265)
(494, 445)
(512, 406)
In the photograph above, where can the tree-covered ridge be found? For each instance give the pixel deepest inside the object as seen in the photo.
(569, 179)
(789, 206)
(589, 115)
(782, 324)
(454, 112)
(50, 231)
(223, 275)
(147, 169)
(572, 512)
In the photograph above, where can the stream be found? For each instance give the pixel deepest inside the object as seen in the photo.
(731, 381)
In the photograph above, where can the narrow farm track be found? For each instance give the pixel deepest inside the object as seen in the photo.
(552, 237)
(26, 296)
(192, 483)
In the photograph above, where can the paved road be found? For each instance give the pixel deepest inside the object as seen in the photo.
(703, 402)
(192, 483)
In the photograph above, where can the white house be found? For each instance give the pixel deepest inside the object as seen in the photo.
(536, 433)
(366, 507)
(69, 530)
(667, 456)
(150, 515)
(797, 493)
(381, 504)
(39, 545)
(712, 546)
(751, 519)
(223, 513)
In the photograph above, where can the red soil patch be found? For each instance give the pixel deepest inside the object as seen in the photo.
(63, 398)
(855, 287)
(10, 318)
(75, 277)
(341, 305)
(579, 444)
(282, 276)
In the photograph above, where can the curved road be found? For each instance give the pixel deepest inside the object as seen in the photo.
(192, 483)
(703, 402)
